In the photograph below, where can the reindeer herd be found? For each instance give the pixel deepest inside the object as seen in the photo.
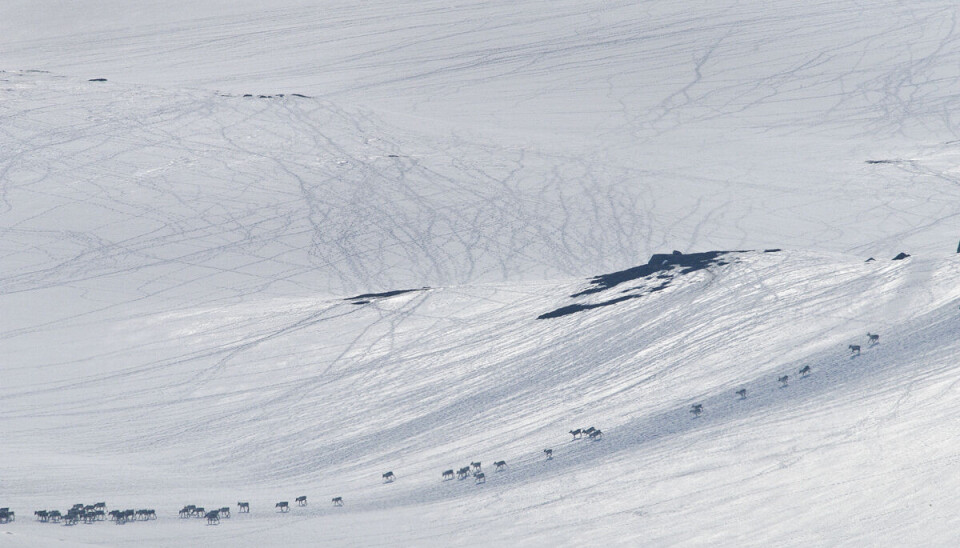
(93, 513)
(592, 433)
(474, 469)
(872, 340)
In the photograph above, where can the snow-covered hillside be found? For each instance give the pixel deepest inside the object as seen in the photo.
(282, 250)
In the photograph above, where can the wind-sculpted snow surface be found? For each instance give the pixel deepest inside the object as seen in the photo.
(574, 141)
(271, 398)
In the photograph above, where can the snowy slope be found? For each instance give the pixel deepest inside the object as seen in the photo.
(208, 297)
(620, 128)
(319, 397)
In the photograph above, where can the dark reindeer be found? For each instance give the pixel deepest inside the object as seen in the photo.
(243, 507)
(463, 472)
(475, 466)
(213, 517)
(596, 435)
(447, 474)
(337, 501)
(805, 371)
(389, 477)
(302, 500)
(696, 409)
(742, 393)
(873, 338)
(185, 512)
(41, 515)
(283, 505)
(225, 512)
(548, 453)
(578, 433)
(480, 478)
(854, 349)
(783, 380)
(501, 465)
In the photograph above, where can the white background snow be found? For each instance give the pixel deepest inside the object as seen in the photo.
(177, 262)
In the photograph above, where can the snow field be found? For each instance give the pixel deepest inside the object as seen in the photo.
(324, 407)
(178, 267)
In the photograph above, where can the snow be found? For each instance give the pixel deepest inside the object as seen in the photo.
(201, 291)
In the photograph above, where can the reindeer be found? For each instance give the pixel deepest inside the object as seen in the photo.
(501, 465)
(100, 506)
(54, 516)
(578, 433)
(548, 453)
(243, 507)
(873, 338)
(283, 505)
(480, 478)
(742, 393)
(475, 466)
(805, 371)
(185, 512)
(302, 500)
(696, 409)
(447, 474)
(224, 512)
(783, 380)
(589, 430)
(854, 349)
(213, 517)
(199, 512)
(389, 477)
(463, 472)
(596, 435)
(337, 501)
(41, 515)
